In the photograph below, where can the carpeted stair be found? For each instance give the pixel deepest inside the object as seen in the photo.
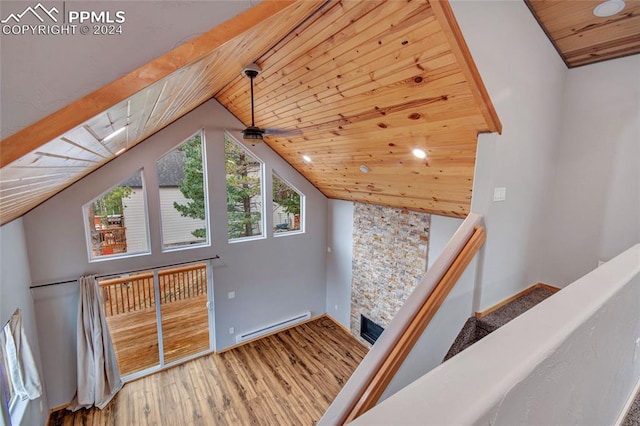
(477, 328)
(633, 416)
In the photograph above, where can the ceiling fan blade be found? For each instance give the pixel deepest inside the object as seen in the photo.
(282, 132)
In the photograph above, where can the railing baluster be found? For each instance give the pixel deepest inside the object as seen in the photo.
(187, 284)
(121, 299)
(173, 283)
(141, 294)
(136, 290)
(110, 300)
(129, 288)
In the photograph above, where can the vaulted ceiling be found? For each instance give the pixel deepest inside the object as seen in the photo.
(348, 83)
(363, 84)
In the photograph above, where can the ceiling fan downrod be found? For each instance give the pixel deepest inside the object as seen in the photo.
(252, 134)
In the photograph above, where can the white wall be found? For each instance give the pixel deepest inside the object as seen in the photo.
(15, 293)
(571, 360)
(273, 278)
(339, 260)
(594, 201)
(76, 65)
(525, 79)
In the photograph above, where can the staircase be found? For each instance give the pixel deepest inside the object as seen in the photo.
(483, 324)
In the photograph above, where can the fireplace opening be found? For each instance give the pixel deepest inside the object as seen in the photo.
(369, 330)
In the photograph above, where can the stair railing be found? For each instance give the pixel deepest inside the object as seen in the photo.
(373, 375)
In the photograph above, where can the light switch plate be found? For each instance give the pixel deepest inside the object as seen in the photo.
(499, 194)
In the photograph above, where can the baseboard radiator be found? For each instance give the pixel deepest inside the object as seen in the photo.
(249, 335)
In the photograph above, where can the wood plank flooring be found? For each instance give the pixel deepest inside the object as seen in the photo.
(135, 336)
(289, 378)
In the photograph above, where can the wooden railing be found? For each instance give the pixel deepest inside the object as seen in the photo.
(112, 240)
(373, 391)
(373, 375)
(133, 293)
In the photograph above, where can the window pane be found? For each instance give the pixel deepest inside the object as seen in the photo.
(183, 202)
(244, 191)
(184, 315)
(117, 220)
(287, 206)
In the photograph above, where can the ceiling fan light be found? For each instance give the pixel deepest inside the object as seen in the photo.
(252, 135)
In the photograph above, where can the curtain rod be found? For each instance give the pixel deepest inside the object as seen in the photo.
(128, 272)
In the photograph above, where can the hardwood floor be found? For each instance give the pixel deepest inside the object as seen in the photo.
(289, 378)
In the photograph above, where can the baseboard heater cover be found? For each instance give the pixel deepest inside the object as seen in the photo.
(243, 337)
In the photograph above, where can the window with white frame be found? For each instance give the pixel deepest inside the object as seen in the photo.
(183, 194)
(288, 207)
(116, 221)
(244, 173)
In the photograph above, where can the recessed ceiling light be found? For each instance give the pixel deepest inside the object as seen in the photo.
(608, 8)
(306, 158)
(419, 153)
(364, 169)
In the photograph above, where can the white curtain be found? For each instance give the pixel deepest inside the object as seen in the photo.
(22, 366)
(22, 373)
(98, 373)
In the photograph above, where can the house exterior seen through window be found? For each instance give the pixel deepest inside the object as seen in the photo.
(244, 191)
(116, 221)
(183, 195)
(288, 206)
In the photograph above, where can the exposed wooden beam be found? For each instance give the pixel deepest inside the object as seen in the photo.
(75, 114)
(444, 14)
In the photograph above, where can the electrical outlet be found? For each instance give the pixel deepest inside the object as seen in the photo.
(231, 330)
(335, 307)
(232, 295)
(328, 249)
(636, 350)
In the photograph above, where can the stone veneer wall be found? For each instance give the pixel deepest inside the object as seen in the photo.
(389, 258)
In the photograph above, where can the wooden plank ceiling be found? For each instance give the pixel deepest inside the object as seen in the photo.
(362, 83)
(582, 38)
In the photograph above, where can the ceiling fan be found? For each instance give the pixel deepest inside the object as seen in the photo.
(253, 134)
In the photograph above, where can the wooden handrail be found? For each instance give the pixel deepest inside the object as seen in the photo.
(182, 269)
(371, 393)
(122, 280)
